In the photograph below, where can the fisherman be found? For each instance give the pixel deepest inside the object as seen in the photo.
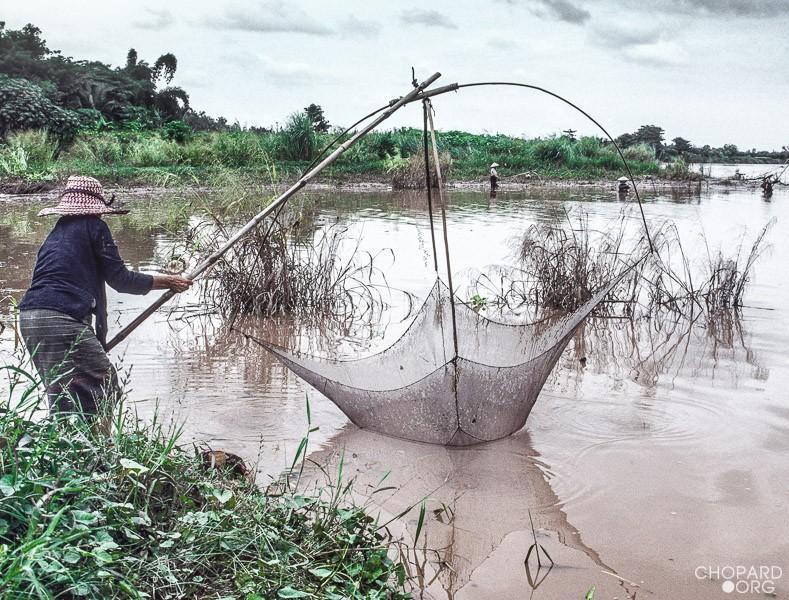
(68, 288)
(623, 188)
(767, 186)
(494, 177)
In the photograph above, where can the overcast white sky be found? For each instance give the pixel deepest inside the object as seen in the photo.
(712, 71)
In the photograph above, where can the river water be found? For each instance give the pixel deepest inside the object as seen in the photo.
(648, 470)
(748, 171)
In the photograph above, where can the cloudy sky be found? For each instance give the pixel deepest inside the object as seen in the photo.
(712, 71)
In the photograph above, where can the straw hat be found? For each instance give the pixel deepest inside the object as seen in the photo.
(623, 178)
(494, 165)
(83, 196)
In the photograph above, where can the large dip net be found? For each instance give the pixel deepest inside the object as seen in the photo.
(425, 388)
(454, 377)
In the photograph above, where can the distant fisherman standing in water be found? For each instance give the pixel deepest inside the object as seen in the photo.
(494, 177)
(75, 261)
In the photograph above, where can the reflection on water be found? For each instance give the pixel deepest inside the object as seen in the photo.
(476, 503)
(657, 446)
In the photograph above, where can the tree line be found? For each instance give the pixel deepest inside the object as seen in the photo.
(654, 136)
(42, 89)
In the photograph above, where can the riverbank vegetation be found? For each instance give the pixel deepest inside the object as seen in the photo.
(154, 158)
(133, 514)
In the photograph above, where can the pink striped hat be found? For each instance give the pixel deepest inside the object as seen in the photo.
(83, 196)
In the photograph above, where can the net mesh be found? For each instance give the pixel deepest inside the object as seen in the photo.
(422, 388)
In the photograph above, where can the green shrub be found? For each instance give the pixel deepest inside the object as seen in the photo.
(609, 159)
(554, 151)
(122, 152)
(238, 149)
(24, 105)
(28, 154)
(640, 153)
(383, 144)
(588, 147)
(408, 141)
(133, 515)
(39, 146)
(676, 169)
(298, 138)
(177, 131)
(91, 119)
(152, 151)
(100, 148)
(199, 151)
(396, 163)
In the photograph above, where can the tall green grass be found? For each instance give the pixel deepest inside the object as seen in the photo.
(299, 142)
(143, 155)
(28, 154)
(134, 515)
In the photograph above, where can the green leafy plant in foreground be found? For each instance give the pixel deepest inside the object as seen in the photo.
(133, 515)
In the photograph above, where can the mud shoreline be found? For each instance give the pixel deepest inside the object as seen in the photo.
(19, 188)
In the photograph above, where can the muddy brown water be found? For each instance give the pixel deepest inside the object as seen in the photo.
(654, 470)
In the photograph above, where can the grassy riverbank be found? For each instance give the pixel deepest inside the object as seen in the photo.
(162, 157)
(133, 515)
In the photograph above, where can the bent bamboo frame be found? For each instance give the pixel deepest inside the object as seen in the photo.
(279, 201)
(418, 93)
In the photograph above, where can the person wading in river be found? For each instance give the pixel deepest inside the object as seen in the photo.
(494, 177)
(75, 261)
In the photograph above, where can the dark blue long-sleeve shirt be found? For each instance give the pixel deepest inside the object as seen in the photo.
(75, 261)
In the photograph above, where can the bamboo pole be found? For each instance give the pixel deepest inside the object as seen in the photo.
(279, 201)
(428, 186)
(442, 202)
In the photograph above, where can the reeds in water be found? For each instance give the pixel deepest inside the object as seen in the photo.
(561, 267)
(409, 174)
(295, 266)
(719, 284)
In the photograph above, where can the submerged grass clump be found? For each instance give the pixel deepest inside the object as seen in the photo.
(134, 515)
(561, 267)
(568, 265)
(410, 173)
(718, 284)
(293, 265)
